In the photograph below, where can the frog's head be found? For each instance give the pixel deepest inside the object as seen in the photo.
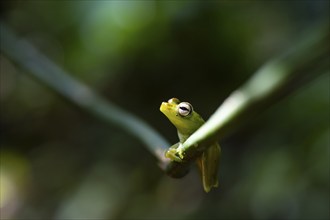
(182, 115)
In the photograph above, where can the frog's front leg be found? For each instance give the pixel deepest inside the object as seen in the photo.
(172, 153)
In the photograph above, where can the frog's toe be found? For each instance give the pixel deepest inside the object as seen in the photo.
(180, 154)
(172, 154)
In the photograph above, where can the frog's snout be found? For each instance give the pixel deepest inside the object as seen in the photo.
(165, 107)
(162, 106)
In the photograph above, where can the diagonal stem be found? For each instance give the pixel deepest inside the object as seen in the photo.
(304, 61)
(277, 78)
(39, 66)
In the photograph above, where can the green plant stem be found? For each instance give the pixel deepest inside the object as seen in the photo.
(306, 60)
(25, 55)
(277, 78)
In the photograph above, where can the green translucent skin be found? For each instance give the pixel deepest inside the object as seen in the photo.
(208, 161)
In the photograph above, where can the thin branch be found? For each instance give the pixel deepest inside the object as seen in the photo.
(277, 78)
(39, 66)
(306, 60)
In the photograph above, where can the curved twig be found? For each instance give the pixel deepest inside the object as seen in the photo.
(39, 66)
(304, 61)
(279, 77)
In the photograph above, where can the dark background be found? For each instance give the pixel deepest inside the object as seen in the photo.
(59, 162)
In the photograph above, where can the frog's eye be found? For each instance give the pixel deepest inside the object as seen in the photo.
(185, 109)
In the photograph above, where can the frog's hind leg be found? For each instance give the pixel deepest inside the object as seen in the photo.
(208, 164)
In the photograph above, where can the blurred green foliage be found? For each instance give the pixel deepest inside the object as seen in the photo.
(58, 162)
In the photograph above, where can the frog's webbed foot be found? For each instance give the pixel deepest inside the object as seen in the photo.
(172, 153)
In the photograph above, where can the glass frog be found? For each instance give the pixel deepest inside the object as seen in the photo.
(187, 121)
